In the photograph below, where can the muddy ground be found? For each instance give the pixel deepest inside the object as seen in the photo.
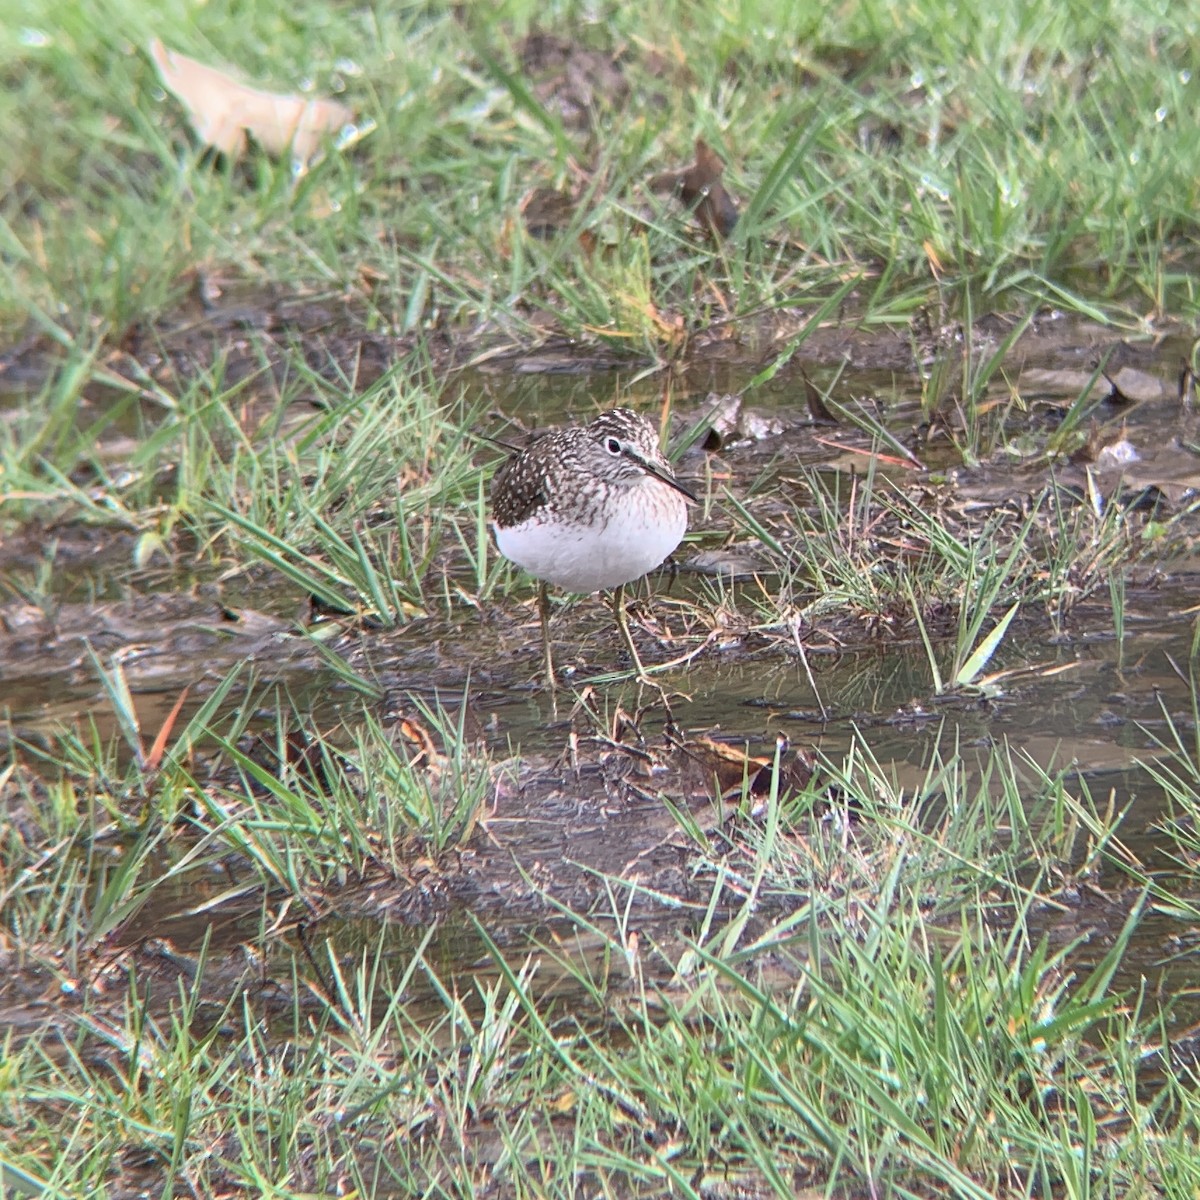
(581, 802)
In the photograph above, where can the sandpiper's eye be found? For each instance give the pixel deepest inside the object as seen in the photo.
(612, 445)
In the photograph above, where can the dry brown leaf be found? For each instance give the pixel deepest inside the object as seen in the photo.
(223, 111)
(701, 190)
(419, 743)
(155, 757)
(732, 769)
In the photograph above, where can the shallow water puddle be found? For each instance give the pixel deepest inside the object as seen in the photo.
(578, 823)
(599, 805)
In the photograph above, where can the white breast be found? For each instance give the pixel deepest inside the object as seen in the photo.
(625, 543)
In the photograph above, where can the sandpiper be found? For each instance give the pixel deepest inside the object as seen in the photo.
(590, 507)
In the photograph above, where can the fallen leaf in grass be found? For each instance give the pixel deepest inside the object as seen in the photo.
(225, 112)
(732, 770)
(155, 757)
(701, 189)
(417, 740)
(909, 464)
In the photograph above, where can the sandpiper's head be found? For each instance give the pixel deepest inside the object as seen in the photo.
(627, 450)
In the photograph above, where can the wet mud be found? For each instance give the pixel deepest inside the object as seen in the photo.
(575, 814)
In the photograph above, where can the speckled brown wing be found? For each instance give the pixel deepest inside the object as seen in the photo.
(518, 491)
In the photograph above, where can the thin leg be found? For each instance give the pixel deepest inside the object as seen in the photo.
(618, 603)
(547, 656)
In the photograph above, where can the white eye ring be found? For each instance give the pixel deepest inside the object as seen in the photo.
(612, 445)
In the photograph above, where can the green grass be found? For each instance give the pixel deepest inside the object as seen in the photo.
(969, 163)
(868, 551)
(357, 502)
(894, 169)
(878, 1005)
(874, 1005)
